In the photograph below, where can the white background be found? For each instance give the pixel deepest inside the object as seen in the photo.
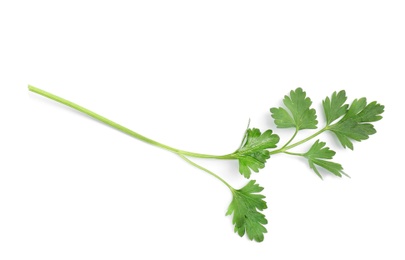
(190, 74)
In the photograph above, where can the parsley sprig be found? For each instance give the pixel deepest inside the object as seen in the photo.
(347, 122)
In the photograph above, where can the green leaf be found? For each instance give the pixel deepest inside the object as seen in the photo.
(316, 156)
(245, 206)
(371, 113)
(356, 124)
(300, 115)
(335, 106)
(253, 153)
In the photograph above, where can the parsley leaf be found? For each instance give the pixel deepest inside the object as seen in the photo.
(245, 206)
(300, 115)
(335, 106)
(316, 155)
(355, 125)
(253, 153)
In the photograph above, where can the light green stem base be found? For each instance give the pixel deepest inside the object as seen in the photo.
(120, 127)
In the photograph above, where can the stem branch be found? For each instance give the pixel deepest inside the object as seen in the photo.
(207, 171)
(289, 141)
(288, 147)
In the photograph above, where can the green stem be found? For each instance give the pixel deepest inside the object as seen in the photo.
(207, 171)
(289, 141)
(120, 127)
(291, 153)
(285, 148)
(307, 139)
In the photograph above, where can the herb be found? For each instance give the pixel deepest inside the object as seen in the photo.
(347, 123)
(244, 206)
(300, 115)
(354, 124)
(253, 153)
(316, 155)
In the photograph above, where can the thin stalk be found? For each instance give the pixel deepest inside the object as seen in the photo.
(285, 148)
(207, 171)
(307, 139)
(120, 127)
(292, 138)
(291, 153)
